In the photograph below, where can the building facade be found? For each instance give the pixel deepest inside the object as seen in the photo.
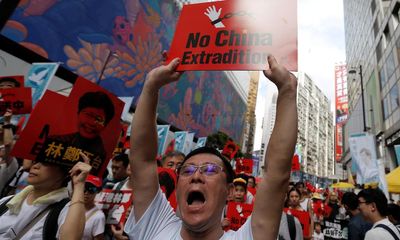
(315, 128)
(373, 53)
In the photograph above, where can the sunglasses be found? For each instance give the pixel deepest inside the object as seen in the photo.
(208, 169)
(91, 189)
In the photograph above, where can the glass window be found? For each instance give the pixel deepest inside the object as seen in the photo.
(382, 78)
(390, 67)
(385, 104)
(394, 98)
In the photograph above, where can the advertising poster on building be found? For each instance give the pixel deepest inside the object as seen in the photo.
(87, 121)
(235, 35)
(341, 106)
(363, 152)
(115, 204)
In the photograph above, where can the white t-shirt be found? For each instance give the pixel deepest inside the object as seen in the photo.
(95, 224)
(159, 222)
(304, 204)
(381, 233)
(318, 236)
(6, 172)
(11, 225)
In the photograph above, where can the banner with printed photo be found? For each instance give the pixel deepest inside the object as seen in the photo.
(235, 35)
(87, 121)
(230, 149)
(363, 152)
(115, 204)
(19, 100)
(237, 214)
(244, 166)
(162, 131)
(39, 77)
(12, 81)
(180, 138)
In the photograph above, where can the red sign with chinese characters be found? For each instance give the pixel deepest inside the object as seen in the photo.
(341, 107)
(87, 121)
(236, 35)
(295, 163)
(19, 100)
(238, 213)
(115, 204)
(244, 166)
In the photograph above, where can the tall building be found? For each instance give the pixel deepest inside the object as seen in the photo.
(315, 134)
(373, 56)
(250, 119)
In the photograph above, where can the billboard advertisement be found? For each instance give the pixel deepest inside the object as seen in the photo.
(341, 106)
(115, 44)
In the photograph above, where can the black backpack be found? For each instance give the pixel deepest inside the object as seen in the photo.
(50, 226)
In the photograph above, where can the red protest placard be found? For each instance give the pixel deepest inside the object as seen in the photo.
(12, 81)
(19, 100)
(115, 204)
(295, 163)
(238, 213)
(230, 149)
(304, 219)
(244, 166)
(236, 35)
(60, 128)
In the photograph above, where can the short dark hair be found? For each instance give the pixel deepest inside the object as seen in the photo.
(298, 184)
(394, 211)
(230, 174)
(376, 196)
(10, 79)
(251, 177)
(173, 154)
(122, 157)
(350, 199)
(97, 100)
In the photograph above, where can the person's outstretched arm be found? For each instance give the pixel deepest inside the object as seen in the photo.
(273, 187)
(143, 151)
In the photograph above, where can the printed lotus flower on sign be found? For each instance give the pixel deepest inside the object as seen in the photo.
(139, 60)
(90, 60)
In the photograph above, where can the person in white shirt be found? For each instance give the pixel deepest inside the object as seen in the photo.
(205, 176)
(373, 207)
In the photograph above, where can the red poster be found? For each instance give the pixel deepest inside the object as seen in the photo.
(230, 149)
(12, 81)
(304, 218)
(115, 204)
(87, 121)
(238, 213)
(295, 163)
(236, 35)
(19, 100)
(244, 166)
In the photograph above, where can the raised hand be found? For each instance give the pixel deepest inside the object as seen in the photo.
(280, 76)
(163, 75)
(213, 15)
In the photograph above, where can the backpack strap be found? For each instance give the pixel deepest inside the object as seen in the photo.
(389, 230)
(291, 226)
(50, 226)
(3, 206)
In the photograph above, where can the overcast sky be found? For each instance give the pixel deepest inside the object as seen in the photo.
(320, 46)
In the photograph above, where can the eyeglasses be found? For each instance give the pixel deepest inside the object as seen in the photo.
(96, 118)
(208, 169)
(91, 189)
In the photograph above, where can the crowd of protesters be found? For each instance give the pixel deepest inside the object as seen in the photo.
(197, 196)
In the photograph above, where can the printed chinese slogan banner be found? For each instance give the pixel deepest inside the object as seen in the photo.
(60, 128)
(236, 35)
(336, 229)
(115, 204)
(19, 100)
(237, 214)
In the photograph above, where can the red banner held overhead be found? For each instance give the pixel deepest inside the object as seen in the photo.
(236, 35)
(230, 149)
(244, 166)
(238, 214)
(295, 163)
(19, 100)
